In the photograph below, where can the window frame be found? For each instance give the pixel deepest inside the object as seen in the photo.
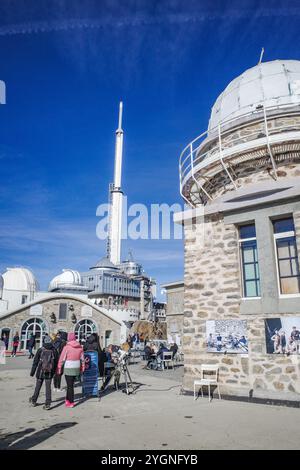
(278, 236)
(67, 308)
(243, 282)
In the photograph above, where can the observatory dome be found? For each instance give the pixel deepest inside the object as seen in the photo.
(20, 279)
(68, 279)
(105, 264)
(273, 84)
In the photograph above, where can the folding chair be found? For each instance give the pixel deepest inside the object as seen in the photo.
(167, 359)
(212, 371)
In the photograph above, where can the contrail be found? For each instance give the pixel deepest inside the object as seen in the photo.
(142, 20)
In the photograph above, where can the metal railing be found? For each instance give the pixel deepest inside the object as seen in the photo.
(210, 145)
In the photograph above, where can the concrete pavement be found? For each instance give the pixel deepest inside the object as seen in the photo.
(157, 416)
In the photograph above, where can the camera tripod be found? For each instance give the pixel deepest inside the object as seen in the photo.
(121, 368)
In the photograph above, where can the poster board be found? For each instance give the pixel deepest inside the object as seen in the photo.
(227, 336)
(90, 375)
(282, 335)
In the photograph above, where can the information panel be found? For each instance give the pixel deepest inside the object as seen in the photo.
(90, 375)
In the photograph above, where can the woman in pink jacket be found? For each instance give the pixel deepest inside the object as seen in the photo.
(71, 363)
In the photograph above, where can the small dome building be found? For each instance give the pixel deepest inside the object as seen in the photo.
(241, 181)
(69, 281)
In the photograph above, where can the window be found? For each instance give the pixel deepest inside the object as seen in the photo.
(84, 328)
(62, 315)
(33, 326)
(249, 261)
(287, 256)
(24, 299)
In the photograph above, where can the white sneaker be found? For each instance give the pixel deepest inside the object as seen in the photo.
(61, 390)
(55, 390)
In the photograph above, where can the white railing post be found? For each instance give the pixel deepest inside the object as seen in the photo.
(268, 142)
(199, 186)
(221, 158)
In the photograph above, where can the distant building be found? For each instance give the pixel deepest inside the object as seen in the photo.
(107, 299)
(174, 309)
(241, 179)
(158, 312)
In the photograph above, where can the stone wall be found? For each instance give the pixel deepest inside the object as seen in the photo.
(213, 291)
(103, 323)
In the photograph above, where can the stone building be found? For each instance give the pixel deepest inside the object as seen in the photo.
(174, 309)
(61, 312)
(242, 236)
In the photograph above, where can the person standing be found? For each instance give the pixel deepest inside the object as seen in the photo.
(282, 342)
(15, 344)
(295, 337)
(44, 366)
(31, 345)
(71, 363)
(276, 342)
(59, 344)
(93, 344)
(5, 338)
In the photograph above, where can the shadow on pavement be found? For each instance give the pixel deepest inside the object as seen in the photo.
(24, 441)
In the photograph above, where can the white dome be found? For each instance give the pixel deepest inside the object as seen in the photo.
(104, 264)
(67, 279)
(20, 279)
(273, 84)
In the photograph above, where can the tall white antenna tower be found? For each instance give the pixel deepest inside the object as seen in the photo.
(116, 199)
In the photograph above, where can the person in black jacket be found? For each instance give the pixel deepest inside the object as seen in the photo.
(30, 345)
(44, 366)
(93, 344)
(59, 343)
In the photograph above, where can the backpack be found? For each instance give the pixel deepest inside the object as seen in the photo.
(47, 360)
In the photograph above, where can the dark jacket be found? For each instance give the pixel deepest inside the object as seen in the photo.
(59, 344)
(148, 352)
(31, 342)
(93, 344)
(174, 349)
(161, 350)
(37, 364)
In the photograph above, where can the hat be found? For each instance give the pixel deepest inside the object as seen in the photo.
(47, 340)
(71, 337)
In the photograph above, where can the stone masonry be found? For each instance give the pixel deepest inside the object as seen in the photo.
(213, 291)
(75, 313)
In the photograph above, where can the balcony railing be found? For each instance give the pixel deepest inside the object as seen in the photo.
(218, 143)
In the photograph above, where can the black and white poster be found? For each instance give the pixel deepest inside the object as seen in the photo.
(283, 335)
(227, 336)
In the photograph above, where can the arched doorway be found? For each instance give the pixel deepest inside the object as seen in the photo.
(84, 328)
(35, 326)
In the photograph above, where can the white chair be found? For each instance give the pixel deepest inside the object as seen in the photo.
(211, 372)
(167, 359)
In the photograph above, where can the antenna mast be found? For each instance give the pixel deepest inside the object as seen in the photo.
(261, 55)
(116, 199)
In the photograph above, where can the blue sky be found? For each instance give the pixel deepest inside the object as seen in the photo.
(66, 65)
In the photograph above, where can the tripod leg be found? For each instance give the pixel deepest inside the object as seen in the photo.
(130, 380)
(126, 381)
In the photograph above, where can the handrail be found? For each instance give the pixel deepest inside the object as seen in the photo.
(191, 155)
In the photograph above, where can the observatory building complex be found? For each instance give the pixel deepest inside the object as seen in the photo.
(241, 180)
